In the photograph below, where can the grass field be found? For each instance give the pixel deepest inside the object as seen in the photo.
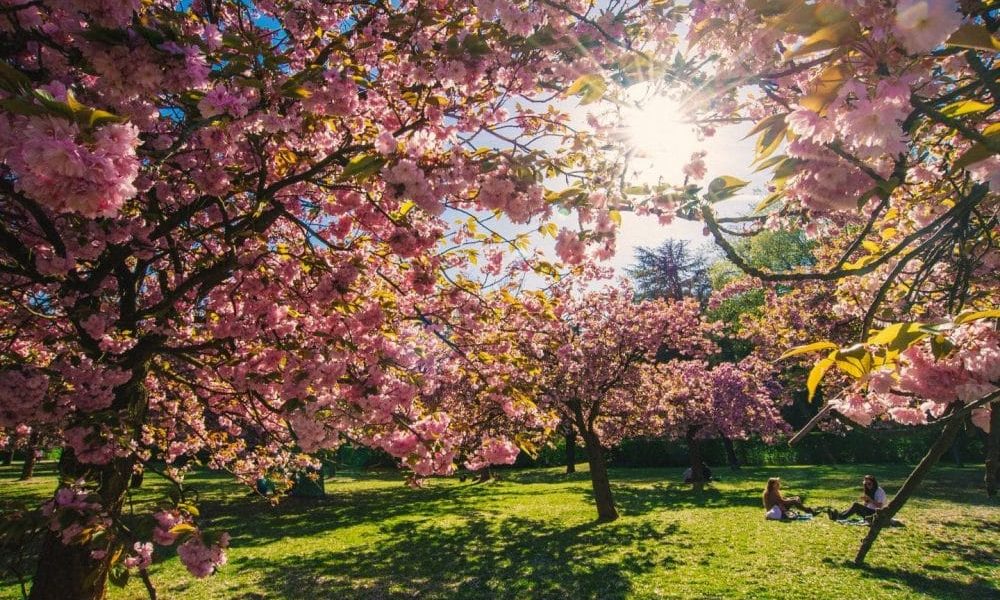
(533, 535)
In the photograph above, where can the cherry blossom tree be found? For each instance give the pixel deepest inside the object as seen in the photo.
(877, 122)
(589, 348)
(228, 228)
(697, 401)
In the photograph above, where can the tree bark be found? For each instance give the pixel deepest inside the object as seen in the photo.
(8, 456)
(956, 449)
(28, 468)
(571, 451)
(69, 571)
(606, 510)
(694, 453)
(884, 516)
(734, 462)
(993, 452)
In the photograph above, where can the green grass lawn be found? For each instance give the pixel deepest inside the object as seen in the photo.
(534, 535)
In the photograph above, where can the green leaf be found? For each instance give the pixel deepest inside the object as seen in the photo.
(18, 106)
(769, 141)
(977, 153)
(770, 162)
(362, 166)
(813, 347)
(118, 575)
(13, 81)
(636, 190)
(772, 121)
(941, 346)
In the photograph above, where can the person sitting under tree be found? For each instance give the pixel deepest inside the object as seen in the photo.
(872, 499)
(706, 474)
(779, 507)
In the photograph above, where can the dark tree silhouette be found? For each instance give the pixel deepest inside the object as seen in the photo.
(672, 270)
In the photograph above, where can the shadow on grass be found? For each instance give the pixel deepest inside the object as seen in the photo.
(938, 587)
(634, 500)
(477, 558)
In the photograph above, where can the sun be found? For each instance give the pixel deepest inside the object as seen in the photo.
(660, 135)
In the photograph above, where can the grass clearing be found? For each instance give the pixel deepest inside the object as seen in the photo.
(534, 535)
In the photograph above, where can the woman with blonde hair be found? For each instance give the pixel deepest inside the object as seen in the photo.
(777, 506)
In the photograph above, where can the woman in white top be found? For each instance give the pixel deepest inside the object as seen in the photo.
(872, 500)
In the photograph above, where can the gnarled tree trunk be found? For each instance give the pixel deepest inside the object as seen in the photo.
(884, 516)
(30, 456)
(734, 462)
(571, 450)
(694, 454)
(606, 510)
(69, 571)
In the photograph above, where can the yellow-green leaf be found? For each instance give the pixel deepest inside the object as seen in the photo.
(769, 122)
(769, 201)
(871, 246)
(827, 38)
(589, 87)
(362, 166)
(702, 29)
(855, 361)
(826, 88)
(813, 347)
(817, 373)
(725, 186)
(977, 315)
(898, 336)
(965, 107)
(974, 36)
(183, 528)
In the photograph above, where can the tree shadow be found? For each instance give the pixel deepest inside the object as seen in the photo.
(254, 521)
(636, 500)
(476, 558)
(938, 587)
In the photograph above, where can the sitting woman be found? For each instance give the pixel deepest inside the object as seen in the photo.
(872, 499)
(779, 507)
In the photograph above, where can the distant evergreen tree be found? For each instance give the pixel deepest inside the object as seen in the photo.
(672, 270)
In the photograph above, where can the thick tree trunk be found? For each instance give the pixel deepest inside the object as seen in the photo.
(68, 571)
(734, 462)
(8, 456)
(30, 457)
(993, 452)
(571, 451)
(599, 478)
(694, 453)
(884, 516)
